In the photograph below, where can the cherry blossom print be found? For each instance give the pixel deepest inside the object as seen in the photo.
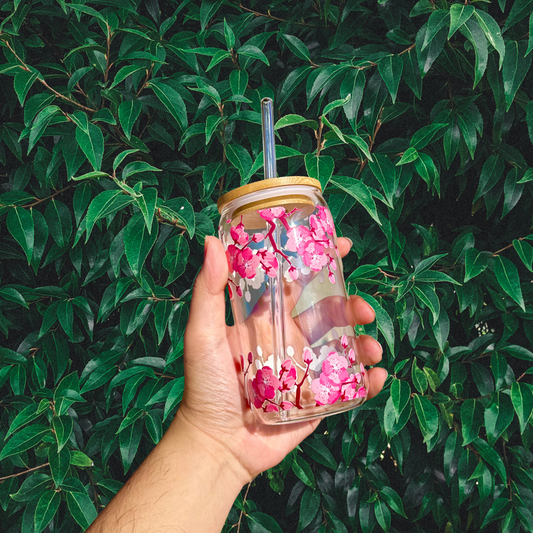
(287, 376)
(335, 367)
(238, 234)
(246, 263)
(326, 219)
(256, 399)
(272, 213)
(351, 356)
(266, 382)
(286, 405)
(326, 391)
(269, 262)
(271, 408)
(298, 236)
(314, 256)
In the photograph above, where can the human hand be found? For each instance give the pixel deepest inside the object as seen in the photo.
(214, 403)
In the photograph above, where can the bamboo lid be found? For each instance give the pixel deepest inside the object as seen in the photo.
(266, 184)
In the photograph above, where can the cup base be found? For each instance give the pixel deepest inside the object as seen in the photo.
(309, 413)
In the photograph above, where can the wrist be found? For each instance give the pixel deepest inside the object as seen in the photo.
(211, 449)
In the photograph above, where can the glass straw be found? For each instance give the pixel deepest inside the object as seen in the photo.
(269, 142)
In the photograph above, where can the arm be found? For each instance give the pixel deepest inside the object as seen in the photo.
(214, 445)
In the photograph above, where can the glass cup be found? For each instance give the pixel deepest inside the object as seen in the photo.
(289, 302)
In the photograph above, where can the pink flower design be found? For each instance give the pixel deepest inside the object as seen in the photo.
(293, 272)
(271, 408)
(314, 256)
(231, 254)
(238, 234)
(308, 356)
(287, 376)
(246, 263)
(335, 368)
(326, 219)
(269, 262)
(326, 391)
(298, 238)
(266, 383)
(256, 398)
(351, 356)
(258, 237)
(349, 388)
(286, 405)
(272, 213)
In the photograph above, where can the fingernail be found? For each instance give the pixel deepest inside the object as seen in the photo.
(351, 242)
(206, 244)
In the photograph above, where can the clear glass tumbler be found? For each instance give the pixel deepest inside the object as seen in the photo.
(289, 301)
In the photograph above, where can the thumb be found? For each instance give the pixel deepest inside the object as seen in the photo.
(207, 314)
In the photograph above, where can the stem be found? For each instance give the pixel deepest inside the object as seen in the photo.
(2, 479)
(243, 502)
(270, 16)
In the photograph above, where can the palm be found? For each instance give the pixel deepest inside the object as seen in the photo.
(214, 398)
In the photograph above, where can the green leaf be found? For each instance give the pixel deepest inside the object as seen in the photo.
(58, 218)
(12, 295)
(62, 426)
(23, 82)
(105, 204)
(525, 252)
(492, 32)
(129, 440)
(317, 450)
(393, 500)
(522, 399)
(92, 144)
(408, 156)
(353, 84)
(24, 440)
(20, 225)
(383, 515)
(459, 14)
(47, 507)
(210, 176)
(514, 70)
(475, 263)
(59, 463)
(81, 508)
(292, 120)
(390, 68)
(438, 20)
(320, 168)
(473, 32)
(78, 458)
(492, 457)
(498, 415)
(180, 210)
(239, 157)
(254, 52)
(171, 99)
(427, 134)
(176, 257)
(28, 414)
(120, 157)
(238, 80)
(411, 72)
(471, 420)
(309, 506)
(146, 203)
(426, 169)
(428, 55)
(359, 191)
(229, 36)
(262, 523)
(296, 46)
(427, 295)
(128, 113)
(137, 166)
(428, 416)
(520, 9)
(507, 275)
(400, 394)
(174, 396)
(384, 171)
(154, 426)
(383, 320)
(138, 242)
(124, 73)
(303, 471)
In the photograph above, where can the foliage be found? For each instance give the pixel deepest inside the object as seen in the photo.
(124, 121)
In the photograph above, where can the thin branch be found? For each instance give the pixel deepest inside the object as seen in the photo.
(2, 479)
(243, 502)
(270, 16)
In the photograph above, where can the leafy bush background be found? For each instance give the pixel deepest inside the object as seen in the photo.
(123, 122)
